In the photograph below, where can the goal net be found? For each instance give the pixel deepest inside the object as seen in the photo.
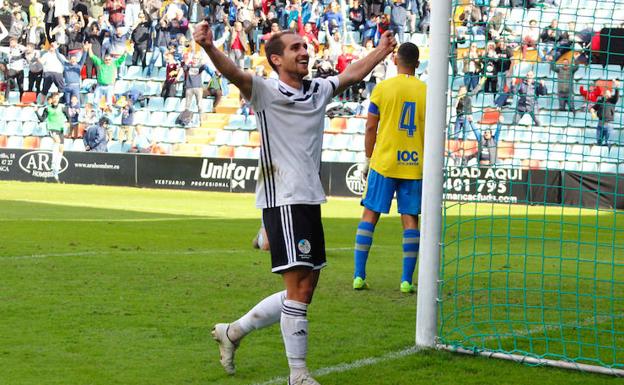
(532, 261)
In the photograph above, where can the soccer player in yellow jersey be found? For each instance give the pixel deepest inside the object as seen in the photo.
(394, 144)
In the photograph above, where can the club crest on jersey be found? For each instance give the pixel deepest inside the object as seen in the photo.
(304, 246)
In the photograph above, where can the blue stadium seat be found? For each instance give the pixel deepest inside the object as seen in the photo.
(14, 127)
(46, 143)
(141, 117)
(207, 104)
(14, 97)
(176, 135)
(160, 133)
(12, 113)
(239, 138)
(28, 114)
(608, 168)
(171, 104)
(78, 146)
(15, 141)
(121, 86)
(171, 119)
(29, 128)
(222, 137)
(134, 73)
(156, 103)
(209, 151)
(330, 156)
(328, 141)
(41, 129)
(157, 118)
(243, 152)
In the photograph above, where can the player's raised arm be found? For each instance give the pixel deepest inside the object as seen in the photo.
(356, 71)
(241, 79)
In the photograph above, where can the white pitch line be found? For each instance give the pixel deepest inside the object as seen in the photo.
(145, 252)
(395, 355)
(156, 219)
(345, 367)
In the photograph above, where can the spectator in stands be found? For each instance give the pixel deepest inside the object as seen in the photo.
(88, 115)
(18, 26)
(357, 17)
(55, 118)
(126, 110)
(52, 70)
(217, 87)
(116, 47)
(425, 22)
(414, 9)
(35, 69)
(140, 38)
(73, 115)
(95, 37)
(496, 27)
(131, 14)
(487, 141)
(35, 10)
(106, 74)
(604, 111)
(472, 67)
(142, 142)
(161, 42)
(35, 33)
(193, 82)
(332, 18)
(59, 35)
(71, 74)
(549, 37)
(334, 47)
(490, 69)
(505, 56)
(49, 20)
(566, 41)
(75, 34)
(528, 92)
(171, 77)
(471, 17)
(4, 87)
(565, 83)
(530, 37)
(463, 109)
(398, 20)
(238, 44)
(95, 137)
(115, 9)
(15, 64)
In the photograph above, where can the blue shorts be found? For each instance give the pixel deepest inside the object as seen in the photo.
(380, 191)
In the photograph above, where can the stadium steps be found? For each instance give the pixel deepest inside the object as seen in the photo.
(188, 149)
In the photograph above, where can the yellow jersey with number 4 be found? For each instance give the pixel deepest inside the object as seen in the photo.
(400, 104)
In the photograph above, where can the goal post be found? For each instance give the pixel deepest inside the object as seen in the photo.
(522, 258)
(433, 175)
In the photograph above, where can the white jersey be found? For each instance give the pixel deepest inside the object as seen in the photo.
(291, 124)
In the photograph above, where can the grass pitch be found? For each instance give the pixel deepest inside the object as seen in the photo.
(102, 285)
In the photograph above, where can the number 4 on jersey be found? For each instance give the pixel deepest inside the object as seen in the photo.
(408, 118)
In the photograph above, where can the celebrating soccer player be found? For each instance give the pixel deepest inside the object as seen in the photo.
(394, 142)
(290, 113)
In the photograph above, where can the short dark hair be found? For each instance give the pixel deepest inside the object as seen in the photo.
(275, 46)
(104, 120)
(408, 55)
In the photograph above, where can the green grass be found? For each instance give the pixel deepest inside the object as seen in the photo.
(102, 285)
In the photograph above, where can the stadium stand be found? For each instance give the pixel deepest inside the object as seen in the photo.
(225, 131)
